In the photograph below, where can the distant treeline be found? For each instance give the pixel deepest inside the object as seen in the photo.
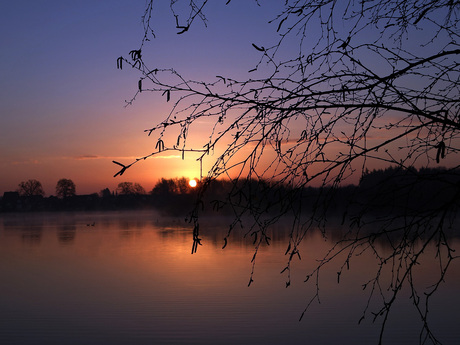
(393, 190)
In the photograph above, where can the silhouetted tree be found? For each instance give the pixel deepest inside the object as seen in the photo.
(182, 185)
(171, 186)
(345, 85)
(129, 188)
(138, 189)
(31, 188)
(164, 187)
(65, 188)
(105, 193)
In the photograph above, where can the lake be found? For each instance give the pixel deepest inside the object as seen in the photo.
(130, 278)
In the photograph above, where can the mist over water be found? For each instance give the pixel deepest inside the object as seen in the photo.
(129, 278)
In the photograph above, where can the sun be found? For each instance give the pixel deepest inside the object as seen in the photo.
(192, 183)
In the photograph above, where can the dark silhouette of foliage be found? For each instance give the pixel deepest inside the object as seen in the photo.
(173, 196)
(31, 188)
(130, 188)
(171, 186)
(65, 188)
(105, 193)
(345, 85)
(164, 187)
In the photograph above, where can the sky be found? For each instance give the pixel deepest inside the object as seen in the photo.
(62, 99)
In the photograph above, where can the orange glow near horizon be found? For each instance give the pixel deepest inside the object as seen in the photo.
(192, 183)
(51, 132)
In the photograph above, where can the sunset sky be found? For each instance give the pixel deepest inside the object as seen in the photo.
(62, 98)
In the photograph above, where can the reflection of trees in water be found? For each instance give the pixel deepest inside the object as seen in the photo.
(397, 249)
(175, 232)
(19, 222)
(215, 229)
(66, 233)
(29, 230)
(32, 235)
(128, 233)
(132, 224)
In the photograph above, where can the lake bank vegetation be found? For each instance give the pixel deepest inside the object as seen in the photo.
(393, 190)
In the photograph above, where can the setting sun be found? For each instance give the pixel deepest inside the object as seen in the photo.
(192, 183)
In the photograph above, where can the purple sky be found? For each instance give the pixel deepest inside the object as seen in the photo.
(62, 98)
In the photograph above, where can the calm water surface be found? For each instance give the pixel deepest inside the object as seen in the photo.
(129, 278)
